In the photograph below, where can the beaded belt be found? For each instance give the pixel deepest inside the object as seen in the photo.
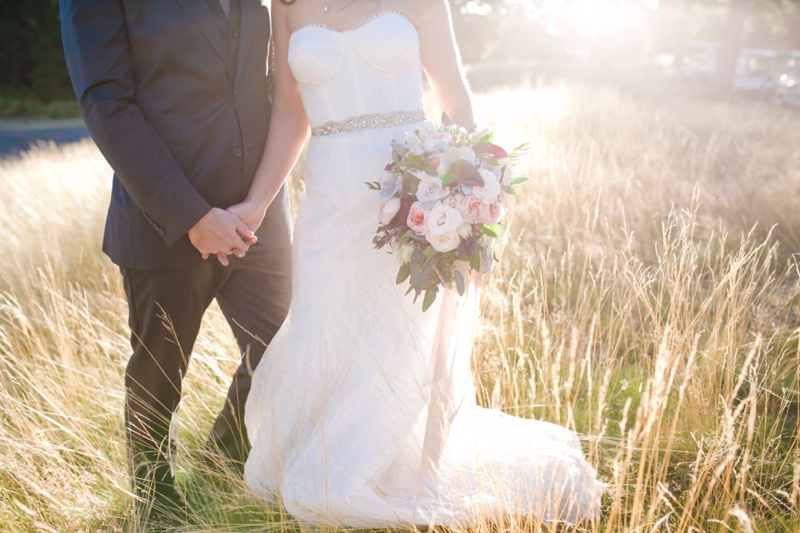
(369, 122)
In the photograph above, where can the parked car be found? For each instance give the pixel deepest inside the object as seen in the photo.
(755, 70)
(787, 79)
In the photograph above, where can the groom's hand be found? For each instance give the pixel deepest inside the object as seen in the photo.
(221, 233)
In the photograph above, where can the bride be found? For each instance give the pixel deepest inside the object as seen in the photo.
(363, 411)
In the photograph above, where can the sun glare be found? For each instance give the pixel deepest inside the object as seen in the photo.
(593, 17)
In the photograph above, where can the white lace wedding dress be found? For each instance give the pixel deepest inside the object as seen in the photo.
(362, 411)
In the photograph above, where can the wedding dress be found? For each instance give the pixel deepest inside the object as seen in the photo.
(362, 412)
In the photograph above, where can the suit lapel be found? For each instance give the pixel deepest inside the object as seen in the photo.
(248, 11)
(201, 15)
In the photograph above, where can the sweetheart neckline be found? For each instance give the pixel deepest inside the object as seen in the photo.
(356, 29)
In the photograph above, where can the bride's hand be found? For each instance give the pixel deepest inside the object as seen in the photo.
(249, 213)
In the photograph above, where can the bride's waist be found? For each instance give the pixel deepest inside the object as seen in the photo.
(366, 122)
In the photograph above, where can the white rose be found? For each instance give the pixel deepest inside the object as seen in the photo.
(413, 139)
(458, 153)
(402, 252)
(508, 175)
(426, 130)
(431, 189)
(388, 209)
(494, 169)
(437, 141)
(464, 230)
(476, 137)
(491, 188)
(418, 136)
(446, 242)
(444, 219)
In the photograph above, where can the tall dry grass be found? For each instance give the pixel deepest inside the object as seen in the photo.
(646, 297)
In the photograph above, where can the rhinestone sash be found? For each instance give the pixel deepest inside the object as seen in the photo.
(369, 122)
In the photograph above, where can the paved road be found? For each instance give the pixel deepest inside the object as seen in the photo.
(18, 135)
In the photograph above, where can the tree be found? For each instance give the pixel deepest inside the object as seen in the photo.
(31, 58)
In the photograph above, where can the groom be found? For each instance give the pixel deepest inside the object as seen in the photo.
(174, 93)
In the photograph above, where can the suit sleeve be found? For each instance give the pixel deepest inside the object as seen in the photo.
(100, 64)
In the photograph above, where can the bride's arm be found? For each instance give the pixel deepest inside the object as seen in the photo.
(441, 60)
(288, 127)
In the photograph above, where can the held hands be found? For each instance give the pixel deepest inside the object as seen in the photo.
(221, 233)
(250, 213)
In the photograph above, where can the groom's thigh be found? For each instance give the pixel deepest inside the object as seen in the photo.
(166, 309)
(255, 298)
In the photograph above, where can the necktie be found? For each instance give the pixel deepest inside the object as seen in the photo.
(226, 7)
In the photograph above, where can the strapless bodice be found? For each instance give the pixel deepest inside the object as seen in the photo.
(374, 69)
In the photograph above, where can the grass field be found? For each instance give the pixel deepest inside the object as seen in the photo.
(647, 296)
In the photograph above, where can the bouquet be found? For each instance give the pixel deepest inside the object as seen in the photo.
(442, 199)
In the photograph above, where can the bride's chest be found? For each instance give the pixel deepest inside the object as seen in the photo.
(387, 43)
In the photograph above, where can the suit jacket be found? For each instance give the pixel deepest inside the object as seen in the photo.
(182, 133)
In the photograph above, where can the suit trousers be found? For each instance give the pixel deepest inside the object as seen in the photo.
(166, 310)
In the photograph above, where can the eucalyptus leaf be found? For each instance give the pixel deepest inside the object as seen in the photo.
(510, 190)
(403, 273)
(430, 297)
(475, 260)
(429, 251)
(460, 284)
(415, 268)
(517, 181)
(427, 271)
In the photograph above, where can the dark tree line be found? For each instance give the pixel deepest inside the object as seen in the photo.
(31, 58)
(32, 61)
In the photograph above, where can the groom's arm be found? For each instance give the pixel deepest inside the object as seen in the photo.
(99, 61)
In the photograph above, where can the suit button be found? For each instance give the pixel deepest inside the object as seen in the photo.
(236, 94)
(161, 232)
(237, 152)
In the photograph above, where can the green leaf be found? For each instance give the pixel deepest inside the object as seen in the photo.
(518, 181)
(491, 231)
(430, 297)
(374, 185)
(403, 273)
(460, 284)
(488, 138)
(429, 251)
(401, 149)
(427, 271)
(510, 190)
(410, 183)
(415, 269)
(446, 120)
(475, 260)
